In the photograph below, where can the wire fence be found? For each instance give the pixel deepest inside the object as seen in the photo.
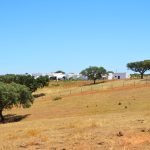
(101, 87)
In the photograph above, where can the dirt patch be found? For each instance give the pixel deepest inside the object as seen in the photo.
(135, 139)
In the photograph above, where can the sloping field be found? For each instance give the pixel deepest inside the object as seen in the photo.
(115, 119)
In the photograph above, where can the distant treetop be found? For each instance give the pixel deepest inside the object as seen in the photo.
(60, 71)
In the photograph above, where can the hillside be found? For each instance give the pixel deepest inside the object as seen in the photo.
(111, 117)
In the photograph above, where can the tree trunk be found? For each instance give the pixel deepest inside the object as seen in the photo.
(1, 116)
(94, 81)
(142, 75)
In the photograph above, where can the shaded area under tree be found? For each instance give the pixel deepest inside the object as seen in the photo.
(9, 118)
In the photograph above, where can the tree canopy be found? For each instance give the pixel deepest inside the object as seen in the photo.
(26, 80)
(94, 73)
(42, 81)
(14, 95)
(139, 66)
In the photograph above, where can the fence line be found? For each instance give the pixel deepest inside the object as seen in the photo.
(103, 86)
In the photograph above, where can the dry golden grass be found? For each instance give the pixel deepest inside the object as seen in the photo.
(82, 122)
(65, 88)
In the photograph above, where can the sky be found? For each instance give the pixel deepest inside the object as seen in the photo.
(71, 35)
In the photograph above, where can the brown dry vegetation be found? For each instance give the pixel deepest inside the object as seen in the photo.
(113, 119)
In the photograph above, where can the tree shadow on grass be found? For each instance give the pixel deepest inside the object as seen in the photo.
(14, 118)
(39, 95)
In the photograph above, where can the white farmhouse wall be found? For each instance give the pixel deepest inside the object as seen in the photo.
(110, 76)
(121, 76)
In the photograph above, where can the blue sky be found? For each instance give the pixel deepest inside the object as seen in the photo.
(70, 35)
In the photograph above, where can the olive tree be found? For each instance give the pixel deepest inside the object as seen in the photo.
(94, 73)
(14, 95)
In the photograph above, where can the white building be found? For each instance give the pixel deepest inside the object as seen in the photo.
(57, 76)
(110, 76)
(118, 76)
(74, 76)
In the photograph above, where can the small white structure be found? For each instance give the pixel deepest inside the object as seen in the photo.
(118, 76)
(110, 76)
(73, 76)
(121, 76)
(57, 76)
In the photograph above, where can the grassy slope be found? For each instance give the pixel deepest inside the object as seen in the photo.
(89, 121)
